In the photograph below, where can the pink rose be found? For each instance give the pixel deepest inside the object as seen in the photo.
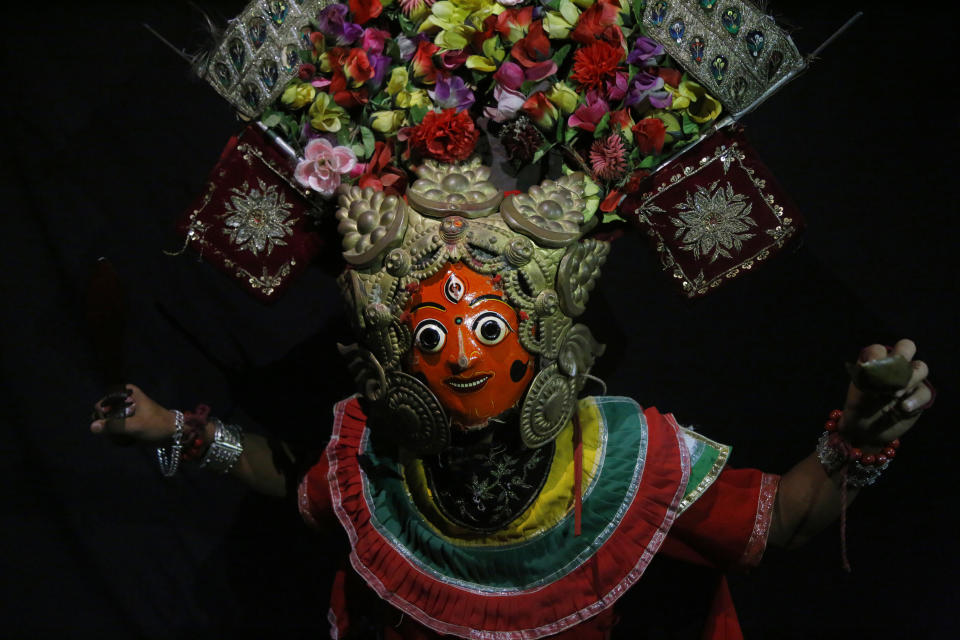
(323, 165)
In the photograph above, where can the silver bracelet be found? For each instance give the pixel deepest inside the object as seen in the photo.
(170, 462)
(225, 449)
(834, 453)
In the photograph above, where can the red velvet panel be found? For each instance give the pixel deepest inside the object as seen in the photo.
(714, 213)
(250, 188)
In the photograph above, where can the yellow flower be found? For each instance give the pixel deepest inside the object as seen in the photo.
(326, 115)
(558, 24)
(323, 62)
(298, 94)
(398, 80)
(682, 95)
(564, 96)
(706, 107)
(480, 63)
(387, 122)
(455, 37)
(407, 99)
(444, 15)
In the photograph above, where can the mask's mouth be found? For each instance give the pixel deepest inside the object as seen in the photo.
(462, 384)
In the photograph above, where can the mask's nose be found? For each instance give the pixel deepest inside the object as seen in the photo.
(462, 363)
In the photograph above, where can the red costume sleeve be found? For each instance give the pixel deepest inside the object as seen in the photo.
(314, 496)
(728, 526)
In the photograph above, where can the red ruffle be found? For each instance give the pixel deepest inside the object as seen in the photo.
(581, 594)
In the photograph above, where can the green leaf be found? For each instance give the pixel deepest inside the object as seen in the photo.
(357, 151)
(638, 8)
(603, 126)
(369, 143)
(272, 119)
(561, 54)
(612, 217)
(647, 162)
(417, 114)
(689, 126)
(343, 136)
(570, 134)
(544, 148)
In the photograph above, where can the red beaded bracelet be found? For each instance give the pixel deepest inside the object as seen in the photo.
(855, 454)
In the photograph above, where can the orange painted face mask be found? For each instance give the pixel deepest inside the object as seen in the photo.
(465, 345)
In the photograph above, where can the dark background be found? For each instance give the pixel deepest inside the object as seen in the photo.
(106, 141)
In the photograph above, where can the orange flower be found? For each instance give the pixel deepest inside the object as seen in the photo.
(422, 63)
(595, 64)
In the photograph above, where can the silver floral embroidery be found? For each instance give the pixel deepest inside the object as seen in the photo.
(258, 219)
(713, 220)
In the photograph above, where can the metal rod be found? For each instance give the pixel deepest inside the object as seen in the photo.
(846, 25)
(179, 52)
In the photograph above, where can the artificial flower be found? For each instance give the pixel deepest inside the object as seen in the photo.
(374, 40)
(595, 63)
(365, 10)
(645, 52)
(298, 95)
(447, 136)
(589, 114)
(357, 68)
(608, 158)
(563, 95)
(622, 120)
(649, 135)
(398, 80)
(387, 122)
(682, 95)
(509, 103)
(422, 63)
(593, 21)
(381, 174)
(453, 59)
(325, 114)
(417, 98)
(705, 108)
(415, 9)
(543, 112)
(646, 87)
(332, 21)
(452, 93)
(510, 75)
(533, 48)
(521, 140)
(306, 71)
(513, 24)
(670, 76)
(616, 88)
(322, 166)
(673, 127)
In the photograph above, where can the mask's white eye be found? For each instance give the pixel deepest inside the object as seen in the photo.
(490, 328)
(429, 336)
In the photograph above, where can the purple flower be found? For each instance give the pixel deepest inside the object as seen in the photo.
(508, 104)
(381, 64)
(589, 114)
(450, 93)
(648, 86)
(644, 49)
(509, 75)
(407, 46)
(617, 88)
(333, 24)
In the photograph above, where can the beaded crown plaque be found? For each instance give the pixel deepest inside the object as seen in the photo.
(732, 48)
(259, 52)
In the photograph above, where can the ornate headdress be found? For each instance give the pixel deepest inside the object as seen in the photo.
(357, 96)
(531, 243)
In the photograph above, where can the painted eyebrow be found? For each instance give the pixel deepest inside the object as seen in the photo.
(428, 305)
(489, 296)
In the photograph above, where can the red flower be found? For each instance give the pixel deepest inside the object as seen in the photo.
(595, 64)
(593, 22)
(533, 48)
(541, 110)
(381, 174)
(357, 67)
(306, 72)
(608, 157)
(512, 24)
(670, 76)
(447, 136)
(422, 63)
(364, 10)
(648, 136)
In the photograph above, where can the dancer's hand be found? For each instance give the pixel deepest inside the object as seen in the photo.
(886, 396)
(142, 418)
